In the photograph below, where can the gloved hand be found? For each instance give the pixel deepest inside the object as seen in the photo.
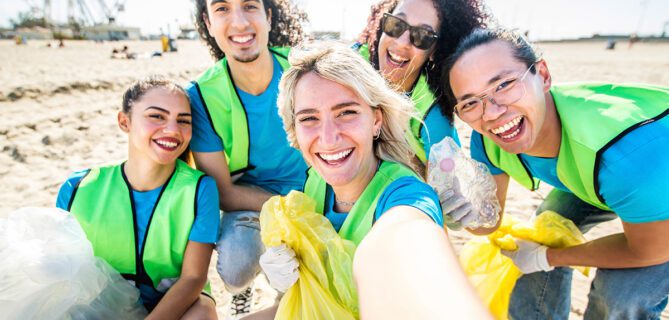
(530, 257)
(458, 212)
(280, 265)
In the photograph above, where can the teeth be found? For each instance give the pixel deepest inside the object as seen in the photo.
(335, 156)
(241, 39)
(167, 144)
(507, 126)
(397, 58)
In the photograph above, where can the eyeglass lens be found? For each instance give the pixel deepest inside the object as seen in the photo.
(420, 37)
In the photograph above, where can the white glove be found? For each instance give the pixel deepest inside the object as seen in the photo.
(280, 266)
(530, 257)
(458, 212)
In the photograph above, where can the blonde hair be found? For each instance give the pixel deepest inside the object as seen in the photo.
(341, 64)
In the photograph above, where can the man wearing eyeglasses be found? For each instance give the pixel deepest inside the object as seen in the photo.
(605, 150)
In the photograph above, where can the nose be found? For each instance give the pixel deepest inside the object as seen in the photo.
(171, 126)
(405, 38)
(329, 133)
(492, 110)
(239, 20)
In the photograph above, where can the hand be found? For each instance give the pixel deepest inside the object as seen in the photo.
(280, 265)
(458, 212)
(530, 257)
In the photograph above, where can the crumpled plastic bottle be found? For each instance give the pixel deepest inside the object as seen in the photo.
(450, 169)
(48, 271)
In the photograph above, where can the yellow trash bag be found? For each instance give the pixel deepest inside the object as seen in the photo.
(493, 274)
(325, 289)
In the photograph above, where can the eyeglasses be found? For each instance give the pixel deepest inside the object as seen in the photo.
(420, 37)
(502, 93)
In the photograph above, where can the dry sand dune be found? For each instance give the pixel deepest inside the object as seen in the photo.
(59, 114)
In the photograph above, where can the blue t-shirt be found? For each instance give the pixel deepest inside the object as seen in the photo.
(204, 229)
(405, 191)
(633, 172)
(436, 128)
(279, 168)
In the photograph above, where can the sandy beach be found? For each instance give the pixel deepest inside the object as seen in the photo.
(59, 107)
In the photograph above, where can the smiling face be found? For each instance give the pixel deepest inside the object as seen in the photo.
(158, 126)
(399, 61)
(335, 131)
(240, 27)
(519, 126)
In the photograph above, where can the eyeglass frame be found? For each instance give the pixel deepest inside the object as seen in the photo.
(431, 33)
(488, 97)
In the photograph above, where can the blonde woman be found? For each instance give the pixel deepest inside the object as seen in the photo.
(351, 129)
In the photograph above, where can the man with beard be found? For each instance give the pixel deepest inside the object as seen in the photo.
(238, 137)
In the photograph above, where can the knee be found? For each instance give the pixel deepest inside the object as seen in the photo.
(203, 308)
(237, 275)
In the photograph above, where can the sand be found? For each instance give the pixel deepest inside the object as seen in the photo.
(59, 107)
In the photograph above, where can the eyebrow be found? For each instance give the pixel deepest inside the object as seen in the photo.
(491, 82)
(182, 114)
(334, 108)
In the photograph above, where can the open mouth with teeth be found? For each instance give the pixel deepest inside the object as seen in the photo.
(511, 130)
(396, 60)
(167, 144)
(242, 39)
(335, 158)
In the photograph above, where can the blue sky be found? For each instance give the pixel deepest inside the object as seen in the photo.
(545, 19)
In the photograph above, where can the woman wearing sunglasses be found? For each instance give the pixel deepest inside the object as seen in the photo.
(403, 39)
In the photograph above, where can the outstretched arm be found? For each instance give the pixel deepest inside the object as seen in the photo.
(405, 268)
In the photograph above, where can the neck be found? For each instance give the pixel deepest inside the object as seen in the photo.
(253, 77)
(352, 191)
(145, 175)
(408, 83)
(548, 141)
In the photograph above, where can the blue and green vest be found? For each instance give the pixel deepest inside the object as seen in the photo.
(226, 112)
(103, 204)
(593, 117)
(361, 217)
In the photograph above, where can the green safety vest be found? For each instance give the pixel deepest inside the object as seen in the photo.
(361, 217)
(593, 117)
(423, 100)
(226, 112)
(103, 205)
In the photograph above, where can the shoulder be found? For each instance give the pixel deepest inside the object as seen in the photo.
(410, 191)
(67, 188)
(641, 156)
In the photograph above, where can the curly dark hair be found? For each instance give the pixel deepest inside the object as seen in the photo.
(457, 19)
(286, 25)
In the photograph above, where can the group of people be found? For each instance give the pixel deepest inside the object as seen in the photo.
(352, 128)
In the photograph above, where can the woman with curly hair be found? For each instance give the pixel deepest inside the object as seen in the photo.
(405, 40)
(238, 137)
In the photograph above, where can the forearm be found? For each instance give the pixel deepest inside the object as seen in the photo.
(242, 197)
(178, 299)
(611, 252)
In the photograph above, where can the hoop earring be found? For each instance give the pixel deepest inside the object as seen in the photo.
(377, 135)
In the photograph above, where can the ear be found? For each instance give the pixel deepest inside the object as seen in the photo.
(269, 17)
(207, 23)
(542, 70)
(378, 120)
(123, 121)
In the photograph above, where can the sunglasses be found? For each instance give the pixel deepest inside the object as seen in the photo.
(420, 37)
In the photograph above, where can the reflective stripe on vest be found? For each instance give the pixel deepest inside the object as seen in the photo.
(423, 100)
(226, 112)
(103, 205)
(593, 116)
(361, 217)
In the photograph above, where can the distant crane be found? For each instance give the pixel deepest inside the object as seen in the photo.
(83, 12)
